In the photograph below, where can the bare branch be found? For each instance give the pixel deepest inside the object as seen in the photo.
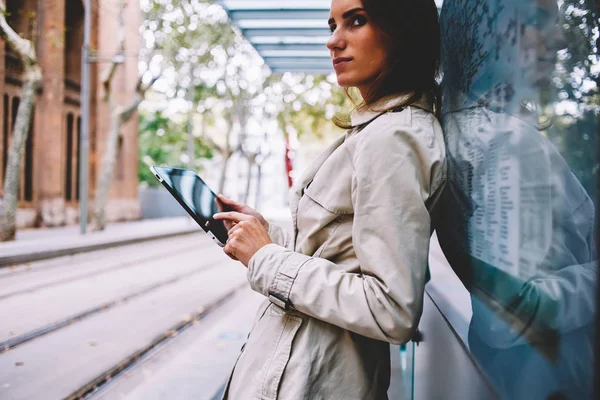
(126, 112)
(23, 48)
(118, 57)
(140, 83)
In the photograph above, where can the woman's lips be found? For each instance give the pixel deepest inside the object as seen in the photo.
(340, 62)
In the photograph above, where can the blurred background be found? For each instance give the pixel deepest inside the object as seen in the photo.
(134, 301)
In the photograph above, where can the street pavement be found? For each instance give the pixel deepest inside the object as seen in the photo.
(101, 318)
(39, 244)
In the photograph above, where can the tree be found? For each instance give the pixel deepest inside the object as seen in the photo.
(119, 115)
(201, 51)
(199, 48)
(32, 78)
(577, 82)
(306, 104)
(162, 141)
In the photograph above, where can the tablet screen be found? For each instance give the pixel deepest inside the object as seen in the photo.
(197, 196)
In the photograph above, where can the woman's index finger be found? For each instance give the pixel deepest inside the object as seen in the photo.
(231, 216)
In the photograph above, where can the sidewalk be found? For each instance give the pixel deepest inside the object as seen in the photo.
(38, 244)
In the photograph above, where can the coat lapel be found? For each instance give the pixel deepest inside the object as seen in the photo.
(308, 175)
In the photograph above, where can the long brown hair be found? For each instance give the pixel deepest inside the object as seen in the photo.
(412, 66)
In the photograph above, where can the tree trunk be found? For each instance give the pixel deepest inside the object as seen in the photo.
(107, 170)
(226, 153)
(8, 218)
(119, 116)
(190, 123)
(32, 78)
(223, 174)
(257, 203)
(249, 179)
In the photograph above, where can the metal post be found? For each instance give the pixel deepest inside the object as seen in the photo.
(190, 127)
(85, 120)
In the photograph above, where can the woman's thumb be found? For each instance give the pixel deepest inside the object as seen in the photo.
(228, 202)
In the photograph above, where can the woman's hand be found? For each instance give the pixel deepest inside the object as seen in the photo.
(246, 237)
(226, 204)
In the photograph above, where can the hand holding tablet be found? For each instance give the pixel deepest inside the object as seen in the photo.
(196, 198)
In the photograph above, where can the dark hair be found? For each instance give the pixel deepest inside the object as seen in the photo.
(412, 30)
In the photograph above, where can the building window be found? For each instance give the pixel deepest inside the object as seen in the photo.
(20, 14)
(28, 170)
(77, 157)
(120, 160)
(72, 158)
(69, 160)
(5, 132)
(15, 108)
(13, 118)
(74, 17)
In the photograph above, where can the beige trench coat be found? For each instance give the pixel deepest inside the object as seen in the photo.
(350, 278)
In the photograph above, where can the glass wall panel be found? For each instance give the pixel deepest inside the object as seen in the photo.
(517, 218)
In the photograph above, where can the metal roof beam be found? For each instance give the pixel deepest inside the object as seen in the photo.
(250, 33)
(290, 35)
(305, 62)
(279, 14)
(302, 70)
(284, 47)
(274, 4)
(281, 24)
(295, 53)
(289, 40)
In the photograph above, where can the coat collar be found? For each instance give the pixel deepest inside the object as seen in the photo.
(357, 118)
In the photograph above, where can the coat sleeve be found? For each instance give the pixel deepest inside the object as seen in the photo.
(390, 235)
(279, 235)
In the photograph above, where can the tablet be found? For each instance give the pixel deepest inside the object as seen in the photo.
(195, 197)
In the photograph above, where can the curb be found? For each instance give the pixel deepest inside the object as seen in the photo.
(48, 254)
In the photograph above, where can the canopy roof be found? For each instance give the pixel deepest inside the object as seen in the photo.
(290, 35)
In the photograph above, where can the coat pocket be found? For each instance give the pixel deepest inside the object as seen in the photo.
(333, 197)
(284, 327)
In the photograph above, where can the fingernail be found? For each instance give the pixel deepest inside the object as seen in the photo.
(217, 215)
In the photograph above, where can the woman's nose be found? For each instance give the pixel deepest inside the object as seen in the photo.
(336, 41)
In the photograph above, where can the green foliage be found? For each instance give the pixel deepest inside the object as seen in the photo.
(194, 44)
(163, 141)
(575, 134)
(579, 25)
(306, 104)
(186, 33)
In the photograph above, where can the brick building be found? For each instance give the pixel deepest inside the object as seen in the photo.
(49, 177)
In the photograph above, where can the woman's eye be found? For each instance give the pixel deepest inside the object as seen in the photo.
(359, 20)
(332, 28)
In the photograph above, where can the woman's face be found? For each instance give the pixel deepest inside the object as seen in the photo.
(356, 46)
(542, 39)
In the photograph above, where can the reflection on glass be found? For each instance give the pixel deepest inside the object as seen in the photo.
(517, 218)
(197, 196)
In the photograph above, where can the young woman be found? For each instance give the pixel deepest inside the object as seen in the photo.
(350, 279)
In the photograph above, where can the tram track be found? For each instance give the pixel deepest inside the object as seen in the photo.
(103, 379)
(7, 261)
(54, 263)
(128, 264)
(37, 333)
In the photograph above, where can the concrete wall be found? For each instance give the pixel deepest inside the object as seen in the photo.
(158, 203)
